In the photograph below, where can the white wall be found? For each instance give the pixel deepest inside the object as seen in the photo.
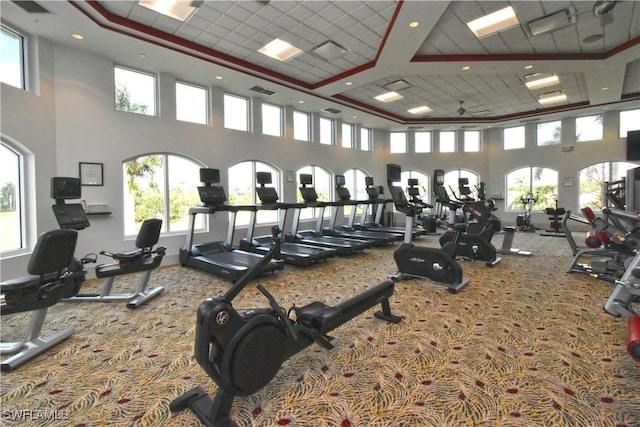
(70, 118)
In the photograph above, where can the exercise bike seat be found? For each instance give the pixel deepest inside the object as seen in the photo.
(44, 286)
(318, 315)
(141, 258)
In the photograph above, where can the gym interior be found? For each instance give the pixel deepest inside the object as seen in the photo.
(542, 337)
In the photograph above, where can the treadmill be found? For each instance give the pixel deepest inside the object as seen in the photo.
(378, 204)
(218, 257)
(299, 254)
(377, 238)
(342, 246)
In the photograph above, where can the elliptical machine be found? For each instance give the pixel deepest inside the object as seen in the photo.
(412, 261)
(243, 350)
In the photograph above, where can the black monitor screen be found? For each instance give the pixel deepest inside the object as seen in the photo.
(209, 176)
(340, 181)
(412, 181)
(306, 179)
(368, 181)
(71, 216)
(263, 177)
(394, 172)
(63, 188)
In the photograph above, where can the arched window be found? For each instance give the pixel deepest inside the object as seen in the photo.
(323, 183)
(538, 181)
(242, 189)
(160, 186)
(451, 180)
(12, 215)
(592, 182)
(354, 181)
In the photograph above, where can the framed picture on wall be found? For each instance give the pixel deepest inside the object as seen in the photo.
(91, 174)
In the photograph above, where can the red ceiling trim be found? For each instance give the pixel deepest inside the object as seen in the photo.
(170, 38)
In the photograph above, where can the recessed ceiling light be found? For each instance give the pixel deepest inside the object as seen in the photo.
(540, 80)
(423, 109)
(219, 77)
(280, 50)
(414, 24)
(301, 102)
(176, 9)
(142, 55)
(389, 96)
(466, 68)
(494, 22)
(604, 88)
(354, 117)
(528, 67)
(348, 83)
(552, 97)
(77, 36)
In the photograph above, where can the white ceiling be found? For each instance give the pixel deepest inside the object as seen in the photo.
(222, 38)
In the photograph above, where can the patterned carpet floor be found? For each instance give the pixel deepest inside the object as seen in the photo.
(525, 344)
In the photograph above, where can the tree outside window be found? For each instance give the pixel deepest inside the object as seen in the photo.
(11, 58)
(539, 182)
(323, 183)
(12, 231)
(242, 190)
(162, 186)
(592, 181)
(549, 133)
(135, 91)
(589, 128)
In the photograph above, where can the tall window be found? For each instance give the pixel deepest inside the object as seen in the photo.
(191, 103)
(12, 68)
(422, 142)
(160, 186)
(323, 183)
(301, 126)
(236, 112)
(354, 181)
(272, 120)
(589, 128)
(471, 141)
(448, 141)
(592, 182)
(347, 135)
(398, 142)
(365, 139)
(513, 138)
(549, 133)
(135, 91)
(541, 183)
(629, 120)
(326, 131)
(11, 200)
(451, 179)
(242, 190)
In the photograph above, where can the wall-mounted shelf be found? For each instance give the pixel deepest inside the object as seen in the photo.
(98, 213)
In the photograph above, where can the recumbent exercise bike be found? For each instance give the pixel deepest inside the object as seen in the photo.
(242, 350)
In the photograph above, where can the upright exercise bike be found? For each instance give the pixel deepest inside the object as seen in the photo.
(243, 350)
(436, 264)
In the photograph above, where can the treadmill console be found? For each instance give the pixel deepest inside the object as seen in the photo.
(212, 194)
(70, 216)
(343, 194)
(267, 194)
(372, 193)
(309, 194)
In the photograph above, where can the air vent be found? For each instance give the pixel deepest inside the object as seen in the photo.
(332, 110)
(328, 50)
(30, 6)
(263, 91)
(530, 120)
(397, 85)
(552, 22)
(414, 127)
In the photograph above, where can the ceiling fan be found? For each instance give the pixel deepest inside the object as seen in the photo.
(475, 112)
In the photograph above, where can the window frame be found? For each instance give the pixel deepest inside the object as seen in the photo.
(392, 143)
(521, 143)
(154, 78)
(330, 195)
(22, 60)
(454, 142)
(350, 130)
(531, 168)
(332, 131)
(429, 143)
(206, 102)
(479, 141)
(21, 202)
(587, 117)
(166, 195)
(280, 112)
(307, 120)
(633, 113)
(366, 139)
(276, 175)
(225, 114)
(552, 142)
(609, 165)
